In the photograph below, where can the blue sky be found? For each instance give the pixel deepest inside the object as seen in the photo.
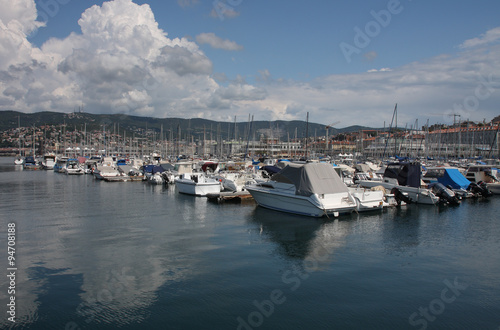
(271, 59)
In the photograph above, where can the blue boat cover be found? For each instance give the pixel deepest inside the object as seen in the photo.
(271, 169)
(153, 169)
(453, 178)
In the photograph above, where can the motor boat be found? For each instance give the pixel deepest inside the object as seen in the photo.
(312, 189)
(406, 177)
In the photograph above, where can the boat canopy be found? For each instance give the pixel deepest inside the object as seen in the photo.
(311, 178)
(454, 179)
(407, 174)
(153, 169)
(271, 169)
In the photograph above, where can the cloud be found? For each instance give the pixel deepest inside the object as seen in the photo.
(217, 42)
(122, 62)
(489, 37)
(19, 15)
(370, 56)
(188, 3)
(222, 10)
(467, 83)
(380, 70)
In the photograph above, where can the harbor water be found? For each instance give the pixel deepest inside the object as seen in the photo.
(129, 255)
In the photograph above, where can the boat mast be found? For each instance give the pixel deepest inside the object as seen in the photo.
(390, 129)
(248, 136)
(307, 132)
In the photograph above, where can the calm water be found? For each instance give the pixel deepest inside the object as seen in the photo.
(98, 255)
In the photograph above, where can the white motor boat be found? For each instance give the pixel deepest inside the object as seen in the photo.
(73, 168)
(102, 172)
(60, 164)
(236, 181)
(405, 177)
(198, 184)
(312, 189)
(368, 200)
(48, 162)
(484, 173)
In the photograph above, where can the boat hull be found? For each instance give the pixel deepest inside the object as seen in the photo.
(494, 188)
(417, 195)
(186, 186)
(367, 200)
(297, 204)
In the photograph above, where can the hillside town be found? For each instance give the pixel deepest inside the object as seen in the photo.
(460, 140)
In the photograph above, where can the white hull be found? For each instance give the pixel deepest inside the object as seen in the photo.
(74, 171)
(187, 186)
(494, 187)
(104, 172)
(417, 195)
(367, 200)
(334, 204)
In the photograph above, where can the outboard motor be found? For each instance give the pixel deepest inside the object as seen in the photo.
(444, 193)
(480, 188)
(400, 197)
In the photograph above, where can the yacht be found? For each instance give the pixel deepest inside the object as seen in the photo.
(312, 189)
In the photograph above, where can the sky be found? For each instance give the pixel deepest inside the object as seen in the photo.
(345, 62)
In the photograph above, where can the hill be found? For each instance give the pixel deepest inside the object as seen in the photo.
(174, 126)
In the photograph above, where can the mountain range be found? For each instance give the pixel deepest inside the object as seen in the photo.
(194, 126)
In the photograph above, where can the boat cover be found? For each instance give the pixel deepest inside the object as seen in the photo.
(271, 169)
(153, 169)
(407, 174)
(311, 178)
(453, 178)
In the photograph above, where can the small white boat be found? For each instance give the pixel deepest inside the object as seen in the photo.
(312, 189)
(73, 168)
(368, 200)
(102, 172)
(19, 160)
(48, 162)
(60, 164)
(197, 184)
(236, 181)
(484, 173)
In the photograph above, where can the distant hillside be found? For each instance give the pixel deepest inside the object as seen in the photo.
(194, 126)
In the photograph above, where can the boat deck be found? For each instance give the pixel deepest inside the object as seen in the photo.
(229, 196)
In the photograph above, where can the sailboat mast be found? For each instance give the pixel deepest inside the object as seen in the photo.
(307, 133)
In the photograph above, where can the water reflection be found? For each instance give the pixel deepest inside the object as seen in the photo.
(299, 238)
(400, 232)
(101, 250)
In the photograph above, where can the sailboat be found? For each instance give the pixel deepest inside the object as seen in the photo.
(19, 158)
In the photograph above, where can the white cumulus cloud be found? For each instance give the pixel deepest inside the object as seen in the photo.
(217, 42)
(490, 36)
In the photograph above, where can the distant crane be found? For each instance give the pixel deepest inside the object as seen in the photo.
(455, 117)
(327, 136)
